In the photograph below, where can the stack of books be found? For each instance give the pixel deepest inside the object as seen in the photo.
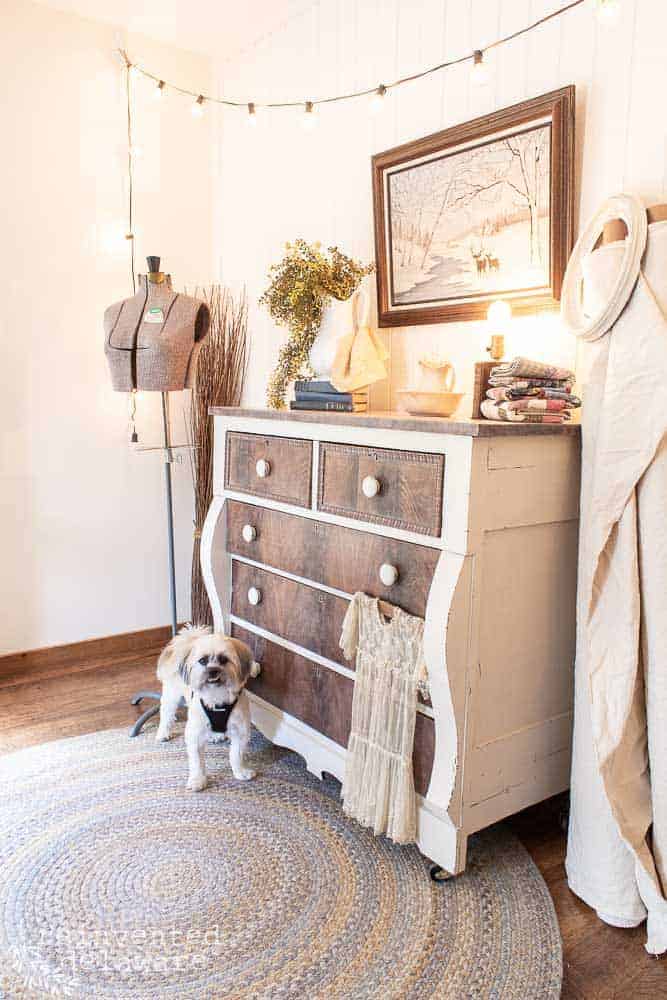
(314, 394)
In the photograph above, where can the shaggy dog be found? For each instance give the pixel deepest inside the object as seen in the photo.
(209, 670)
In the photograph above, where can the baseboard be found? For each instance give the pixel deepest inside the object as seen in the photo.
(74, 653)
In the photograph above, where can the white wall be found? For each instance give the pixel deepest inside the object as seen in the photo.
(82, 537)
(279, 182)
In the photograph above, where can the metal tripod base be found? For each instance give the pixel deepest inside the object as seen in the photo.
(148, 714)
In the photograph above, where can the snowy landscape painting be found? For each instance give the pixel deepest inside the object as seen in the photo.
(467, 222)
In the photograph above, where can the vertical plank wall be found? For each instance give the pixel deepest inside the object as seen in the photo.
(277, 181)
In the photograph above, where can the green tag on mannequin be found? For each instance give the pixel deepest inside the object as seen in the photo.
(154, 315)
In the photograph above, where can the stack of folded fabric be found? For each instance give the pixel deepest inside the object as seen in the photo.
(526, 391)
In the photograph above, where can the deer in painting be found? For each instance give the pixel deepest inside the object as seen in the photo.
(480, 261)
(492, 263)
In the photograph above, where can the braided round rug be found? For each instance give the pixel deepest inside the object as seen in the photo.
(116, 882)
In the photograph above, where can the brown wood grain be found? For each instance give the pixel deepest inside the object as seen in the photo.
(322, 698)
(343, 558)
(410, 494)
(560, 106)
(49, 659)
(304, 615)
(291, 461)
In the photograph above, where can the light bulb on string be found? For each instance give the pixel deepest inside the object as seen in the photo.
(608, 11)
(251, 120)
(197, 108)
(378, 100)
(480, 73)
(309, 120)
(158, 90)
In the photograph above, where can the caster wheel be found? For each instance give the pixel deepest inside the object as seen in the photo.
(439, 874)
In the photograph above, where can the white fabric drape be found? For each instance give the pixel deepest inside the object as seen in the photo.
(378, 787)
(617, 844)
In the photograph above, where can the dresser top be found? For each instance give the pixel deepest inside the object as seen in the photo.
(393, 420)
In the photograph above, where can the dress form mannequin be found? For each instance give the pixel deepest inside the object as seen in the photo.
(151, 342)
(153, 338)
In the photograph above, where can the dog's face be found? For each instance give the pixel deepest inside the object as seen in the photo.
(217, 668)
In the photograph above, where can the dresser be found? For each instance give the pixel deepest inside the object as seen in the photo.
(469, 524)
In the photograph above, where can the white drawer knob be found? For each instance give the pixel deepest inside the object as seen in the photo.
(263, 468)
(254, 595)
(249, 533)
(388, 574)
(370, 486)
(255, 669)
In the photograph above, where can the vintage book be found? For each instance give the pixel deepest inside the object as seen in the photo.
(318, 385)
(331, 397)
(313, 385)
(300, 404)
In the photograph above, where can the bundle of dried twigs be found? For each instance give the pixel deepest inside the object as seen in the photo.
(221, 370)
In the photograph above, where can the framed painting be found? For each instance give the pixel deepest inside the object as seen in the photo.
(478, 212)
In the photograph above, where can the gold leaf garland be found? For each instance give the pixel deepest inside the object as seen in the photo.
(301, 286)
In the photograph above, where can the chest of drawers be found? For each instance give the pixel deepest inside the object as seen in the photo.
(472, 526)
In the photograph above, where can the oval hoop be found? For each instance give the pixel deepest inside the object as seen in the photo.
(632, 212)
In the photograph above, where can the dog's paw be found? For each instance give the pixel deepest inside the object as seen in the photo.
(197, 784)
(218, 738)
(162, 736)
(244, 774)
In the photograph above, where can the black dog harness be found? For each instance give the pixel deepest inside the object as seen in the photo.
(219, 716)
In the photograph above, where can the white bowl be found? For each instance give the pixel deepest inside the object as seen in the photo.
(439, 404)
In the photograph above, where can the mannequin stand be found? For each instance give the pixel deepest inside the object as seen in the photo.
(168, 460)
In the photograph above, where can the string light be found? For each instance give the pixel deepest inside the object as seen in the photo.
(606, 9)
(378, 99)
(158, 91)
(479, 74)
(198, 107)
(252, 114)
(309, 120)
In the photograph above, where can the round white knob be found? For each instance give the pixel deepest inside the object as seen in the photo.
(370, 486)
(254, 595)
(249, 533)
(263, 468)
(388, 574)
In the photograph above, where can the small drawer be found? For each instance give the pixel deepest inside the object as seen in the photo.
(322, 699)
(402, 489)
(275, 467)
(343, 558)
(304, 615)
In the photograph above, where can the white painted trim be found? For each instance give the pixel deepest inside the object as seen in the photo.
(206, 562)
(291, 576)
(293, 647)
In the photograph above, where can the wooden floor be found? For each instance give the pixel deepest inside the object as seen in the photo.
(601, 962)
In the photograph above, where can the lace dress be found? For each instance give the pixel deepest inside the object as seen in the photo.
(378, 788)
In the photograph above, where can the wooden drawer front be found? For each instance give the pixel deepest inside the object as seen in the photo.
(305, 615)
(290, 467)
(410, 495)
(322, 699)
(343, 558)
